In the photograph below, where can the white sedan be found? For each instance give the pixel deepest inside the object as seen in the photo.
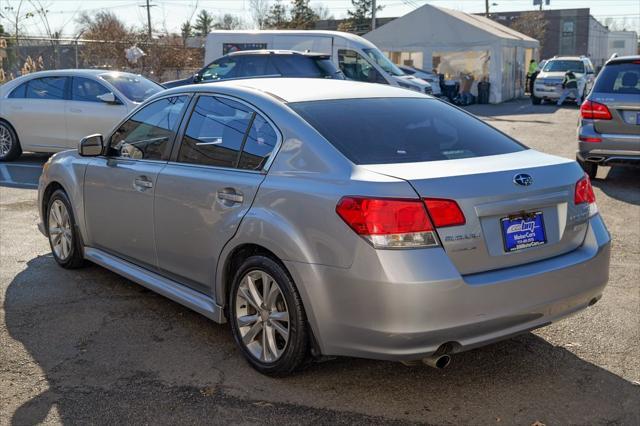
(50, 111)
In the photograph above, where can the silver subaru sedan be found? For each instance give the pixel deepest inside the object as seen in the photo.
(331, 218)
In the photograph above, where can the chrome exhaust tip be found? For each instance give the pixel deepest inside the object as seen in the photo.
(437, 361)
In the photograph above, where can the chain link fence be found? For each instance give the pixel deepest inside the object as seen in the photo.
(164, 59)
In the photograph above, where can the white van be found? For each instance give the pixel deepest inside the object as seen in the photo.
(358, 58)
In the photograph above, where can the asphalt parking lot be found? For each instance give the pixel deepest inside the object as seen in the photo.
(88, 346)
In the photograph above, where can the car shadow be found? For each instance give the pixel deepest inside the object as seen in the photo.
(521, 106)
(620, 183)
(109, 350)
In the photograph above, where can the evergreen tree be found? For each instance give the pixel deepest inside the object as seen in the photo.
(278, 16)
(360, 14)
(204, 23)
(302, 16)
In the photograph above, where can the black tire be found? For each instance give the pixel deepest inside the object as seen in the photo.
(535, 100)
(296, 349)
(8, 136)
(590, 168)
(73, 257)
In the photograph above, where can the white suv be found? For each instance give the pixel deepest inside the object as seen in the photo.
(548, 84)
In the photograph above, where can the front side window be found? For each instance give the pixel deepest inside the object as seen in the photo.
(215, 133)
(147, 134)
(51, 88)
(222, 68)
(135, 87)
(356, 67)
(402, 130)
(86, 90)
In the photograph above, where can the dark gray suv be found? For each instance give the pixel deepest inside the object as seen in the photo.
(609, 129)
(263, 63)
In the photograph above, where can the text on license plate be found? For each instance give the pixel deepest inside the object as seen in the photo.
(523, 231)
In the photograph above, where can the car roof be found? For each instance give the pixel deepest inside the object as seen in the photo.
(303, 89)
(568, 58)
(624, 59)
(73, 72)
(275, 52)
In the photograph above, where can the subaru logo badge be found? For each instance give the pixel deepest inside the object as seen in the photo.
(523, 179)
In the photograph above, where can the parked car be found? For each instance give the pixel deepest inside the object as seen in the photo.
(263, 63)
(356, 57)
(609, 126)
(431, 78)
(49, 111)
(331, 217)
(548, 83)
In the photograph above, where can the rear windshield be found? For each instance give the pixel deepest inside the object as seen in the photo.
(402, 130)
(305, 66)
(564, 66)
(619, 78)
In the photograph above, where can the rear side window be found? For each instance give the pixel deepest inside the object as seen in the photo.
(304, 66)
(19, 92)
(215, 132)
(47, 88)
(403, 130)
(623, 78)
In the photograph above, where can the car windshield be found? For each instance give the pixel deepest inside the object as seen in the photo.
(383, 62)
(564, 66)
(402, 130)
(135, 87)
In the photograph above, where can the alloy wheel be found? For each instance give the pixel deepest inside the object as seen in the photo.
(6, 141)
(262, 316)
(60, 233)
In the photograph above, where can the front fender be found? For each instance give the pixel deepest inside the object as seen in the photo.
(66, 169)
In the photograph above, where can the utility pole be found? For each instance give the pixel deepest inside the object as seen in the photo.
(486, 8)
(148, 7)
(373, 14)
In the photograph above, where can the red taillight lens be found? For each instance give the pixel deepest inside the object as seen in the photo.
(444, 212)
(589, 139)
(595, 111)
(387, 222)
(584, 192)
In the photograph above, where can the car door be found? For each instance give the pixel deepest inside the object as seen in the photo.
(86, 114)
(208, 187)
(37, 113)
(119, 187)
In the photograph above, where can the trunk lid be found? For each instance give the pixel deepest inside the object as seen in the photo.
(484, 189)
(625, 113)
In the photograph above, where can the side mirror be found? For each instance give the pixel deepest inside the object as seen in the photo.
(197, 77)
(108, 98)
(91, 146)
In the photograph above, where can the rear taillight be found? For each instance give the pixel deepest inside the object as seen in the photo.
(595, 111)
(388, 222)
(584, 195)
(589, 139)
(444, 212)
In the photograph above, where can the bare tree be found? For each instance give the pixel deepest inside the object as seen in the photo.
(322, 12)
(533, 24)
(15, 12)
(111, 36)
(259, 12)
(229, 22)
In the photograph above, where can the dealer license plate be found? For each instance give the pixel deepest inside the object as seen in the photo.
(523, 231)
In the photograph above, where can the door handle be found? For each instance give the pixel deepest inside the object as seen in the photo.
(231, 196)
(75, 110)
(142, 183)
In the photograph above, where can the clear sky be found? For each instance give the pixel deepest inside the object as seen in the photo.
(171, 13)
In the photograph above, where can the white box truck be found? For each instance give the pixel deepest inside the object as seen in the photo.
(358, 58)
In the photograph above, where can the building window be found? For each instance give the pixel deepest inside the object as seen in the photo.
(567, 28)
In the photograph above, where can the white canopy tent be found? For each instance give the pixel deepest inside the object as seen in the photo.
(457, 43)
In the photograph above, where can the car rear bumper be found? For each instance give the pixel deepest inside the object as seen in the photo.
(407, 304)
(612, 148)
